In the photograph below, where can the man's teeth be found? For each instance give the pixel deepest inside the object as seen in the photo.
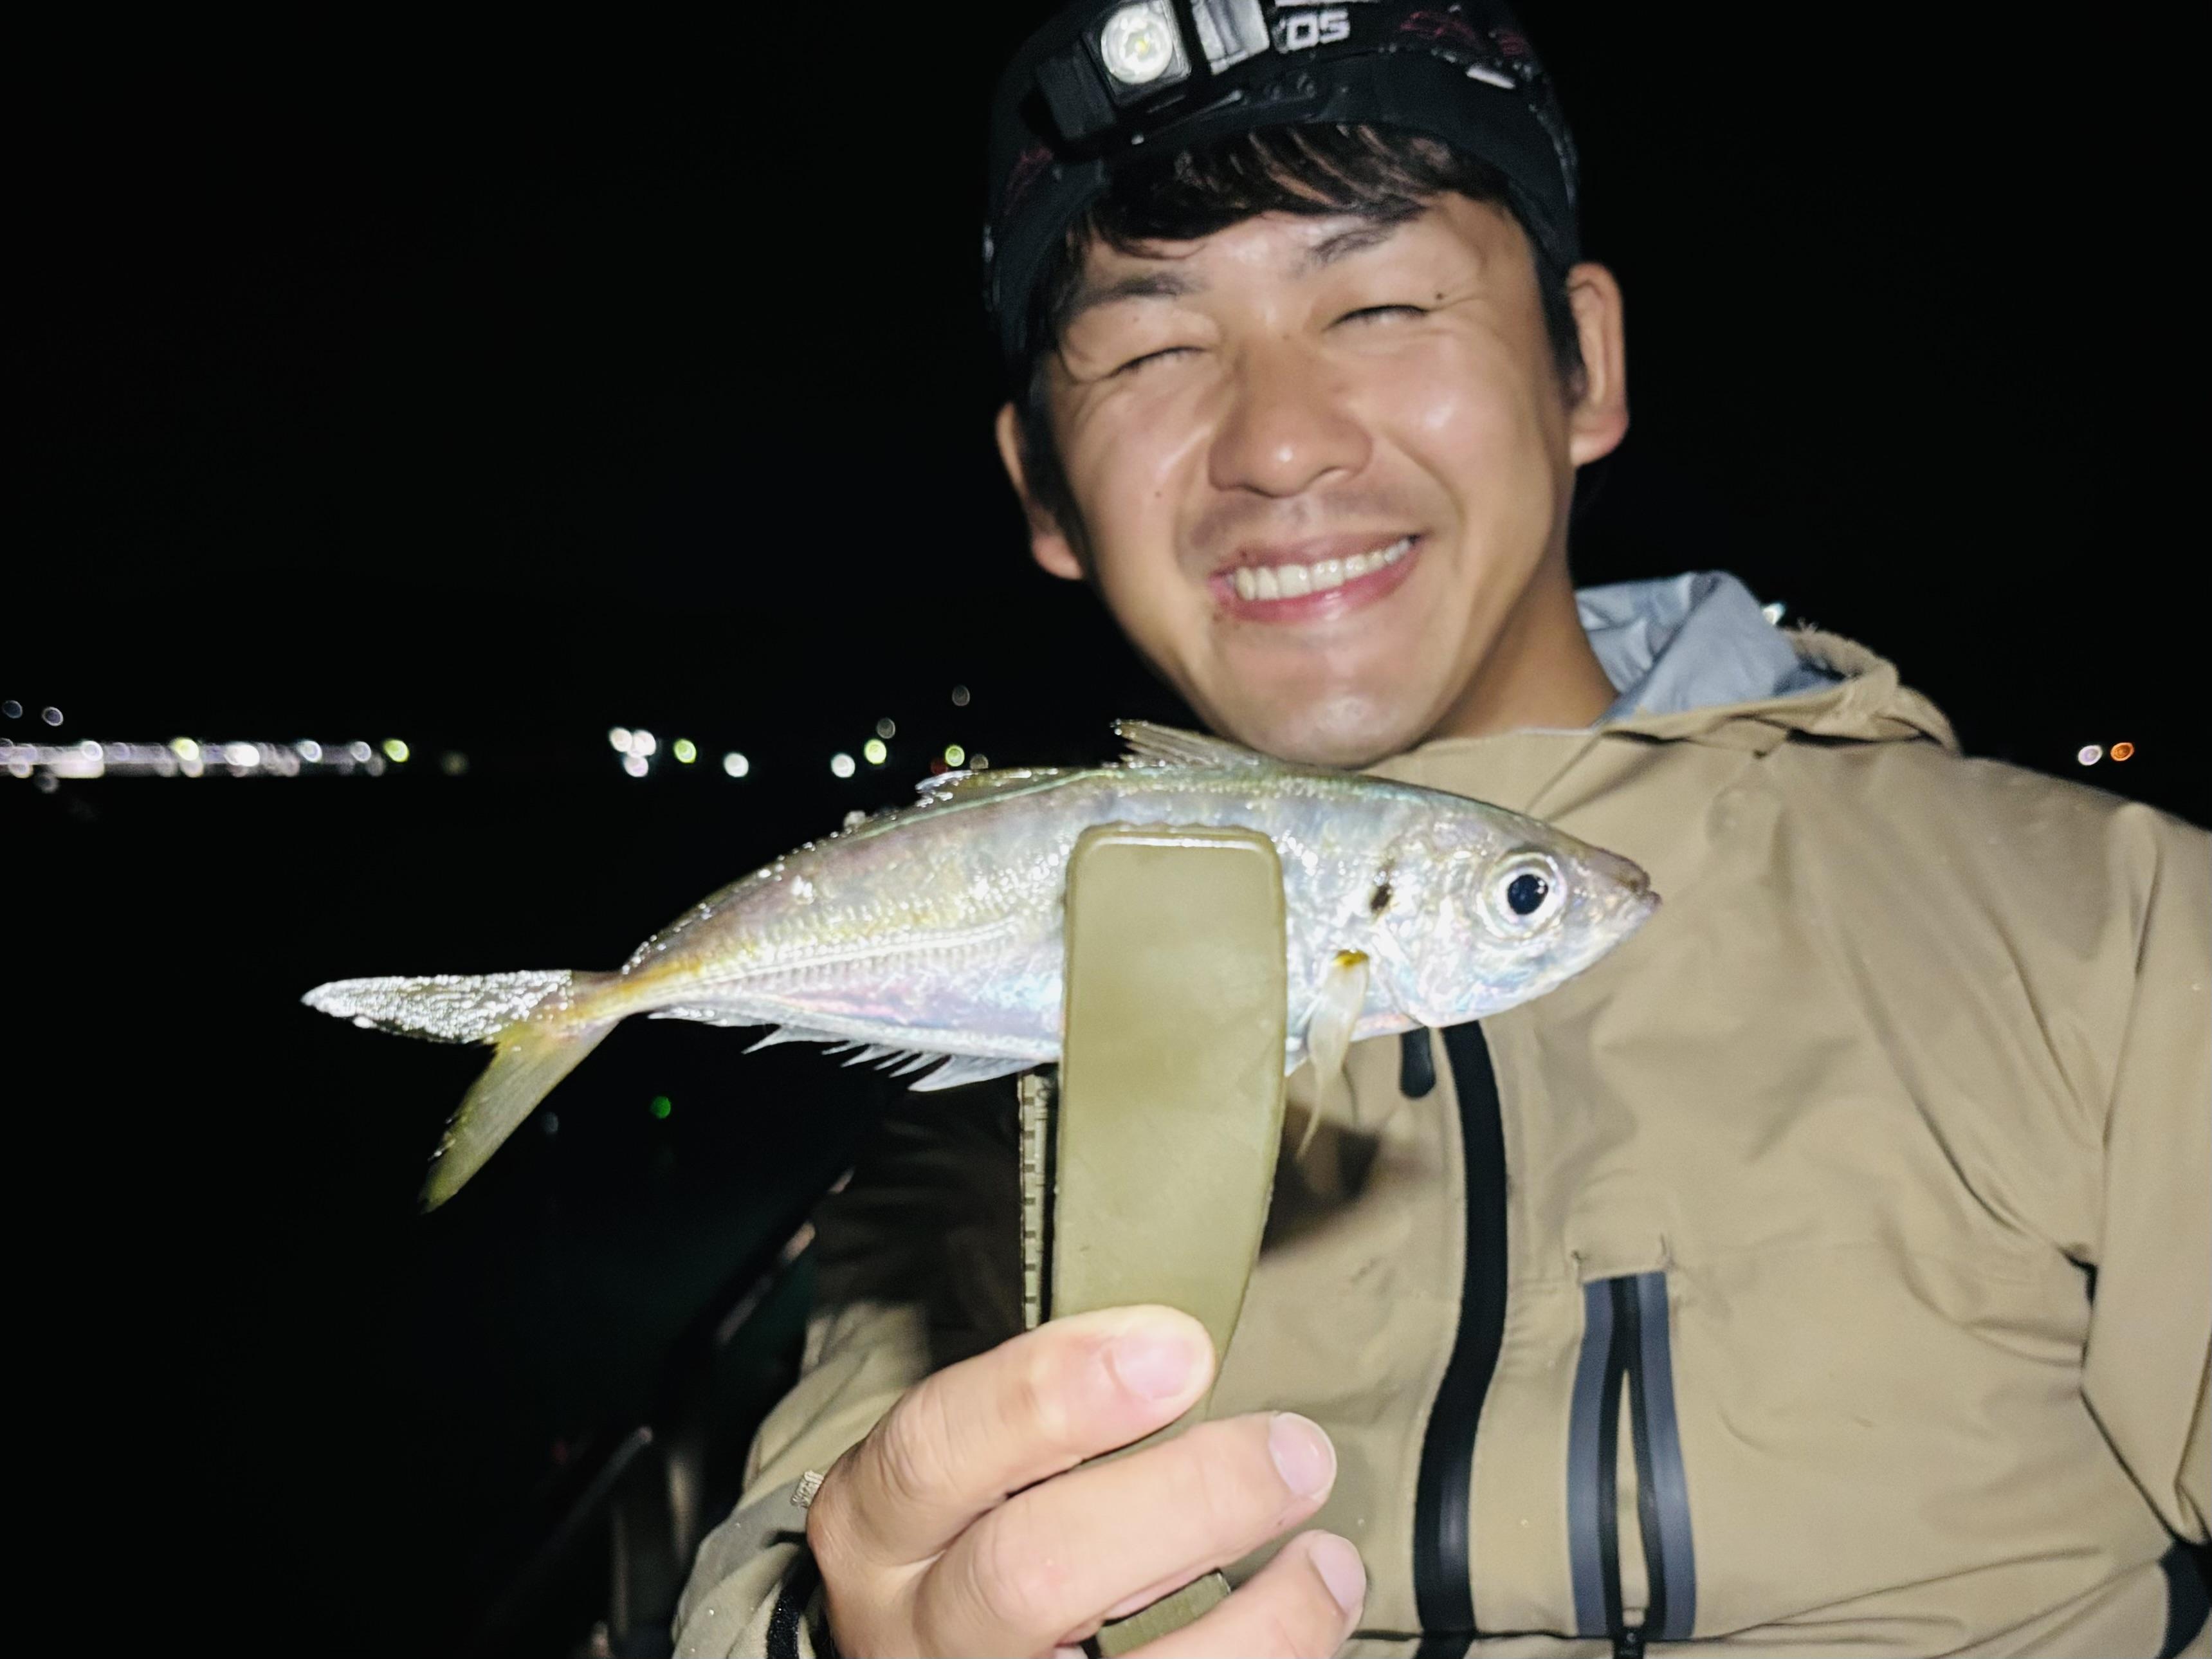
(1290, 581)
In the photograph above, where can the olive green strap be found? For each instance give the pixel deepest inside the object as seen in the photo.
(1148, 1180)
(1165, 1616)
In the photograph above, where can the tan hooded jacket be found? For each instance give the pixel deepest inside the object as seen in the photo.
(1829, 1269)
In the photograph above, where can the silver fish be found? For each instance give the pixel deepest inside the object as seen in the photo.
(931, 937)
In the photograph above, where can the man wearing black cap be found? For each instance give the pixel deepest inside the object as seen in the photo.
(1825, 1269)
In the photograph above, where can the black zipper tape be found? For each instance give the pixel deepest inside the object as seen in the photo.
(1444, 1588)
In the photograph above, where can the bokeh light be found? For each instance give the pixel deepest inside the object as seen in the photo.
(875, 751)
(618, 740)
(2090, 754)
(959, 696)
(954, 754)
(396, 751)
(887, 728)
(736, 764)
(841, 764)
(684, 750)
(636, 765)
(2122, 750)
(662, 1106)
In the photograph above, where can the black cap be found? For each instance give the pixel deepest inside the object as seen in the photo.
(1108, 82)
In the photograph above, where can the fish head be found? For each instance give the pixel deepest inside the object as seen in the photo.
(1490, 909)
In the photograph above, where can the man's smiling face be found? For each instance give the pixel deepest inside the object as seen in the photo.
(1322, 468)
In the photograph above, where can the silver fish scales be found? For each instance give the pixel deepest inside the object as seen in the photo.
(931, 937)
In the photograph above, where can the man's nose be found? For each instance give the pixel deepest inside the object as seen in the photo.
(1287, 426)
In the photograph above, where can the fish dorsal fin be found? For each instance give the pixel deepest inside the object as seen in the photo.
(1166, 746)
(969, 785)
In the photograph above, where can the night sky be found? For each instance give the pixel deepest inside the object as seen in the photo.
(488, 390)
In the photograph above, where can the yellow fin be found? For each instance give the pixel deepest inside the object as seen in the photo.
(530, 1058)
(1336, 1011)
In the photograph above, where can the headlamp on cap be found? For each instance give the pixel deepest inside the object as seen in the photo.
(1105, 84)
(1133, 50)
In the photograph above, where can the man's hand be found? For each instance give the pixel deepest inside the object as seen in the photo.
(961, 1525)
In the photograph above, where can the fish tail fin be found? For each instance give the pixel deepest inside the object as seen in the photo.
(530, 1058)
(541, 1025)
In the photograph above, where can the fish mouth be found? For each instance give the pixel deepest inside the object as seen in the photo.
(1322, 576)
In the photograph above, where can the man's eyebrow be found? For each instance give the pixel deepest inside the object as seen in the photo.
(1090, 293)
(1354, 239)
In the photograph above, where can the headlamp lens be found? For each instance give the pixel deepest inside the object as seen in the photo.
(1139, 43)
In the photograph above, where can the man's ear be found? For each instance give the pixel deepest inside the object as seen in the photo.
(1598, 418)
(1048, 544)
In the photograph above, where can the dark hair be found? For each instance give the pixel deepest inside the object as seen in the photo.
(1377, 172)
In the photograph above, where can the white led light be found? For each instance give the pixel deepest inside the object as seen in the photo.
(736, 764)
(841, 765)
(1139, 43)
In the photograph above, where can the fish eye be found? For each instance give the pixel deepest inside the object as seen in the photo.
(1524, 892)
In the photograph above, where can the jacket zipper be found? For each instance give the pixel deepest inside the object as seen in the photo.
(1444, 1588)
(1618, 1316)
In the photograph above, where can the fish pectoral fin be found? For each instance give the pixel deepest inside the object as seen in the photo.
(1336, 1010)
(1149, 745)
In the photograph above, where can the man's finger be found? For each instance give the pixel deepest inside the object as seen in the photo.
(1056, 1560)
(959, 1442)
(1304, 1602)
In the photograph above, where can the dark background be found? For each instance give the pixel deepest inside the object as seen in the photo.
(492, 387)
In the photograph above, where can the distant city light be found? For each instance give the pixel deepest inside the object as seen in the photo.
(2122, 750)
(2090, 755)
(51, 716)
(684, 750)
(618, 740)
(736, 764)
(188, 758)
(635, 764)
(979, 762)
(396, 751)
(876, 752)
(954, 754)
(642, 741)
(842, 764)
(887, 728)
(959, 696)
(12, 709)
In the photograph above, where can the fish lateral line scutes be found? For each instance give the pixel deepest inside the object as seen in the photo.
(944, 924)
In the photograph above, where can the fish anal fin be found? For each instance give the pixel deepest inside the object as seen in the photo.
(959, 1069)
